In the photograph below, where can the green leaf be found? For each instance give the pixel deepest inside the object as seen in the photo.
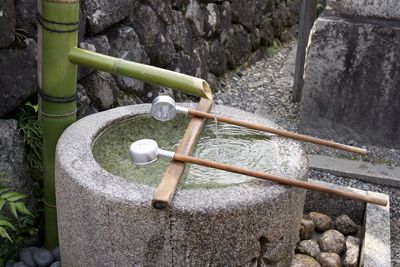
(21, 208)
(4, 234)
(18, 196)
(4, 189)
(2, 202)
(7, 224)
(12, 195)
(13, 209)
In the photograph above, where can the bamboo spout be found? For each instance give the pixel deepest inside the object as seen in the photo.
(147, 73)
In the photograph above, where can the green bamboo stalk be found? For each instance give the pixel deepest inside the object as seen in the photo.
(147, 73)
(58, 80)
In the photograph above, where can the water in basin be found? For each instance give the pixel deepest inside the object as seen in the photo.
(229, 144)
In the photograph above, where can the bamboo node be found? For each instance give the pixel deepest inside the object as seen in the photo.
(49, 205)
(56, 99)
(58, 115)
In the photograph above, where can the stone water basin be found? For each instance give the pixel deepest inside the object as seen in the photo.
(216, 219)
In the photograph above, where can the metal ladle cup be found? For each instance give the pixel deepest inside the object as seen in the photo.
(164, 108)
(146, 151)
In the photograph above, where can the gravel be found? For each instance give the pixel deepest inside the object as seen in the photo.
(265, 88)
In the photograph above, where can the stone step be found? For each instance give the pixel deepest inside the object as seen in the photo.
(365, 171)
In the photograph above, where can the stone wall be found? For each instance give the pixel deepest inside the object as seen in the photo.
(351, 80)
(197, 37)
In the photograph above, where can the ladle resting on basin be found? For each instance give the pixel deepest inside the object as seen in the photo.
(146, 151)
(164, 109)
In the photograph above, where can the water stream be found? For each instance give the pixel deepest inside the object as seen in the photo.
(226, 143)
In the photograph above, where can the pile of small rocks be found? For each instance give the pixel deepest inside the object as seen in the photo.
(38, 257)
(326, 242)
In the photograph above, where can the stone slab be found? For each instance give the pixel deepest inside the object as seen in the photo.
(365, 171)
(389, 9)
(351, 80)
(376, 244)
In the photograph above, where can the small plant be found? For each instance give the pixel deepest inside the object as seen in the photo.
(274, 47)
(31, 132)
(16, 224)
(20, 35)
(11, 200)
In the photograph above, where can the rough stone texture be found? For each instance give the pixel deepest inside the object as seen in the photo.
(307, 229)
(255, 39)
(100, 42)
(101, 14)
(329, 259)
(374, 173)
(389, 9)
(17, 76)
(19, 264)
(237, 45)
(14, 170)
(225, 20)
(322, 221)
(217, 58)
(83, 103)
(376, 244)
(211, 20)
(56, 253)
(333, 206)
(172, 32)
(153, 36)
(345, 225)
(180, 32)
(182, 63)
(56, 264)
(82, 71)
(350, 258)
(43, 257)
(301, 260)
(101, 89)
(179, 4)
(25, 15)
(266, 31)
(358, 97)
(7, 23)
(163, 8)
(243, 12)
(199, 58)
(125, 44)
(26, 256)
(309, 247)
(194, 14)
(332, 241)
(112, 223)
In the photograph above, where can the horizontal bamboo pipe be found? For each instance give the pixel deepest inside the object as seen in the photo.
(147, 73)
(280, 179)
(284, 133)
